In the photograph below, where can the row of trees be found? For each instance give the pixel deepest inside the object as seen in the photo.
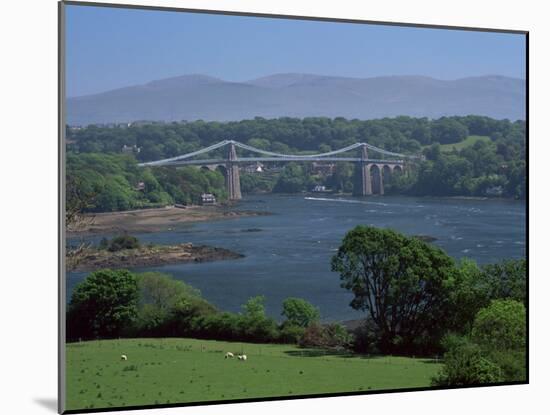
(402, 134)
(115, 303)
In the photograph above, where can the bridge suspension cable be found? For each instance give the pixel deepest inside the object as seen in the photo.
(270, 153)
(186, 156)
(273, 154)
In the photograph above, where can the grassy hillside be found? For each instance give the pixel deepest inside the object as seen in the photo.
(469, 141)
(160, 371)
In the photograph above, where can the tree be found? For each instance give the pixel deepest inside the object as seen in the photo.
(254, 307)
(342, 178)
(469, 295)
(78, 199)
(404, 284)
(103, 305)
(448, 130)
(331, 336)
(506, 280)
(291, 180)
(299, 312)
(260, 143)
(162, 291)
(166, 305)
(501, 326)
(255, 325)
(500, 330)
(422, 134)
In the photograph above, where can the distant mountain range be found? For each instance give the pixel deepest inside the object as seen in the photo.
(193, 97)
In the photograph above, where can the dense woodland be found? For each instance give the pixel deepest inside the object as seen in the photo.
(494, 166)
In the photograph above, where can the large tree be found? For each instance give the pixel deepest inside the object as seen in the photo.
(103, 305)
(403, 284)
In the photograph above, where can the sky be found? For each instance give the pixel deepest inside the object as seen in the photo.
(108, 48)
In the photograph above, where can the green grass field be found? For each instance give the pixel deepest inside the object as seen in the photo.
(161, 371)
(469, 141)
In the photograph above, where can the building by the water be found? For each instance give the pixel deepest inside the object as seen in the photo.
(207, 199)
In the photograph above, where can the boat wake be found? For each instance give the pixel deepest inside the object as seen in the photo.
(361, 202)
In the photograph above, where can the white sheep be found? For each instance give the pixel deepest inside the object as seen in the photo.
(123, 357)
(241, 357)
(229, 355)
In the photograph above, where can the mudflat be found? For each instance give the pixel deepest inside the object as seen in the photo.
(153, 220)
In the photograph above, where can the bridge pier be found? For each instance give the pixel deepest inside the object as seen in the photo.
(377, 178)
(232, 180)
(364, 184)
(381, 180)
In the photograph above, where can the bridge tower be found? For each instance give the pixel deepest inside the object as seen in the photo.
(364, 183)
(233, 181)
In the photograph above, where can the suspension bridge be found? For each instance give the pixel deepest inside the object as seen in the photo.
(371, 171)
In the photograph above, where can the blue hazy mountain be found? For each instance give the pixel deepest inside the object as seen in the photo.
(193, 97)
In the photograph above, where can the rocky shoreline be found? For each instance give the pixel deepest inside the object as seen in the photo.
(92, 259)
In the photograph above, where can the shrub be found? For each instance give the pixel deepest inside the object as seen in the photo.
(501, 326)
(500, 331)
(331, 336)
(512, 363)
(104, 243)
(337, 336)
(465, 365)
(366, 338)
(123, 242)
(290, 333)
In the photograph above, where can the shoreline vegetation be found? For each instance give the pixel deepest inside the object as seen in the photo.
(91, 259)
(154, 219)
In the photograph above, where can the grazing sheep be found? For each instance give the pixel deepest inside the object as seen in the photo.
(241, 357)
(229, 355)
(123, 357)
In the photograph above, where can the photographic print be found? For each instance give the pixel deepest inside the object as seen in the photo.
(275, 207)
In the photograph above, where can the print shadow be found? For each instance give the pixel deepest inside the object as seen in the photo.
(48, 403)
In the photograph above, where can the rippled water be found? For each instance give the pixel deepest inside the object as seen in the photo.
(289, 252)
